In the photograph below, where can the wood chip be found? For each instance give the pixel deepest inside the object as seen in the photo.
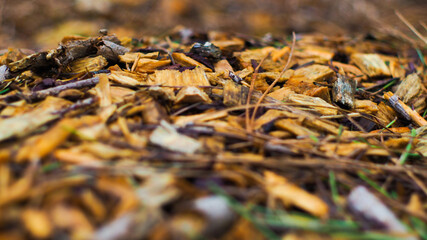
(166, 136)
(370, 64)
(291, 194)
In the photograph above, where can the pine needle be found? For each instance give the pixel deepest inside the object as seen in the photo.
(410, 26)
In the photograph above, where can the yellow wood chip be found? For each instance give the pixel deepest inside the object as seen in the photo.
(291, 194)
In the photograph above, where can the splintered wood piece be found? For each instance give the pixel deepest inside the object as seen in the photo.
(235, 94)
(343, 91)
(269, 116)
(120, 93)
(131, 57)
(167, 137)
(37, 223)
(229, 45)
(175, 78)
(152, 111)
(149, 65)
(76, 221)
(77, 156)
(281, 94)
(192, 95)
(40, 146)
(104, 151)
(127, 78)
(89, 64)
(404, 110)
(15, 109)
(347, 68)
(303, 78)
(399, 143)
(385, 113)
(165, 93)
(290, 194)
(320, 54)
(122, 190)
(313, 73)
(277, 55)
(370, 64)
(421, 145)
(415, 204)
(396, 69)
(26, 123)
(320, 92)
(351, 149)
(198, 118)
(223, 67)
(103, 91)
(319, 105)
(244, 229)
(133, 138)
(295, 127)
(366, 106)
(94, 204)
(412, 91)
(244, 73)
(186, 61)
(253, 54)
(271, 76)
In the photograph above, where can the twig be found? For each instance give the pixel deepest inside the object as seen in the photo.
(251, 89)
(275, 81)
(79, 104)
(404, 110)
(56, 90)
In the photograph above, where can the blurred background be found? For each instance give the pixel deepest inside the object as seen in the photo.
(42, 23)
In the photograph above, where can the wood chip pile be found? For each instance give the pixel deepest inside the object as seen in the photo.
(214, 136)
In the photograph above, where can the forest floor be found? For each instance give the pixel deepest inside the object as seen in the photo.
(215, 135)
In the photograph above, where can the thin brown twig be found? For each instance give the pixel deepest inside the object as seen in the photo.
(274, 82)
(56, 90)
(251, 89)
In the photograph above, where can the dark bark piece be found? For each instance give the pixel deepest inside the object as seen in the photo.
(207, 50)
(205, 61)
(111, 51)
(68, 52)
(343, 91)
(234, 77)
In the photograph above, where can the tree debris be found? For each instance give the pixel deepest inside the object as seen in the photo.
(215, 136)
